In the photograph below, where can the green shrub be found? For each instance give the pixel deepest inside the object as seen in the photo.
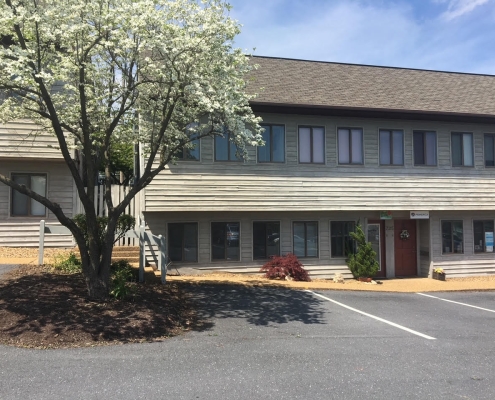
(280, 267)
(122, 274)
(70, 263)
(362, 263)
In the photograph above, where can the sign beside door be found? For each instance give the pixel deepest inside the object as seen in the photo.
(419, 215)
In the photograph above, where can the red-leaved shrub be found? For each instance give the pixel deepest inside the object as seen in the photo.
(281, 266)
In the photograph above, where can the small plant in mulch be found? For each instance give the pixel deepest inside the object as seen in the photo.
(67, 263)
(285, 267)
(122, 277)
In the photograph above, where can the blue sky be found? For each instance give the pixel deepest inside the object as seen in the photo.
(449, 35)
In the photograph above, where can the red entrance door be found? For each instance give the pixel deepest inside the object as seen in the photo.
(405, 248)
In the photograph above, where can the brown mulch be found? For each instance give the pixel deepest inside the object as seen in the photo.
(41, 308)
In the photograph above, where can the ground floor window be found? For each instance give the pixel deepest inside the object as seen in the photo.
(266, 240)
(341, 241)
(21, 204)
(225, 241)
(183, 242)
(480, 228)
(305, 239)
(452, 237)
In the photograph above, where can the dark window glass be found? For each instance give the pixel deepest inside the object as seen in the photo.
(480, 228)
(311, 145)
(190, 154)
(425, 148)
(489, 150)
(462, 149)
(341, 241)
(22, 205)
(305, 239)
(274, 148)
(350, 145)
(225, 150)
(391, 147)
(183, 242)
(225, 238)
(266, 239)
(452, 237)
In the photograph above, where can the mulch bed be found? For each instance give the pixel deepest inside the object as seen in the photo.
(40, 308)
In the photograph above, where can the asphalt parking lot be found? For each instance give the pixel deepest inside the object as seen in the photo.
(282, 344)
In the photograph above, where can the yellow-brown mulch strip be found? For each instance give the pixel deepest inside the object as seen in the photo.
(408, 285)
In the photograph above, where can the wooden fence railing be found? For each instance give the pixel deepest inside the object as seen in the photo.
(118, 194)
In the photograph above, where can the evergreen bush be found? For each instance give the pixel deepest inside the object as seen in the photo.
(363, 262)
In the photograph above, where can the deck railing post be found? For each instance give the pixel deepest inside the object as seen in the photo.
(142, 253)
(42, 242)
(163, 258)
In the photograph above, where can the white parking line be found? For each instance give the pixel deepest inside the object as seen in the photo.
(374, 317)
(456, 302)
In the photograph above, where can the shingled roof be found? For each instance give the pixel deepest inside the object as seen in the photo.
(328, 85)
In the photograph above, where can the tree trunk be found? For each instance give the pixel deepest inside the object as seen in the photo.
(98, 288)
(96, 271)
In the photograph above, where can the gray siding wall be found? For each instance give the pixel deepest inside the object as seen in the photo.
(20, 139)
(324, 266)
(24, 231)
(290, 186)
(468, 263)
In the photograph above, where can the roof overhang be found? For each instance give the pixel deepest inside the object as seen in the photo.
(337, 111)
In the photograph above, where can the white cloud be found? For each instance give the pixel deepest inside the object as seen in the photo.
(457, 8)
(387, 32)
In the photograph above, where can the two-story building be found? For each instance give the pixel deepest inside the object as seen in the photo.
(410, 154)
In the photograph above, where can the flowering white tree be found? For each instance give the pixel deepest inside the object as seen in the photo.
(98, 73)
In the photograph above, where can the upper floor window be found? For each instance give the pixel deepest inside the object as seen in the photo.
(425, 148)
(341, 240)
(490, 150)
(274, 148)
(462, 149)
(391, 147)
(311, 145)
(305, 239)
(23, 205)
(350, 143)
(225, 149)
(183, 242)
(480, 229)
(190, 153)
(452, 237)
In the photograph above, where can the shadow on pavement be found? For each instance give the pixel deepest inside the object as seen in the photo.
(258, 305)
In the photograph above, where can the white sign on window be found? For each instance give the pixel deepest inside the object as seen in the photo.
(489, 242)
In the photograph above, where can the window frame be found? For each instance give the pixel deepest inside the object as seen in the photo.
(11, 197)
(424, 132)
(279, 233)
(492, 135)
(349, 129)
(331, 247)
(306, 240)
(226, 136)
(391, 149)
(225, 241)
(311, 127)
(451, 236)
(484, 243)
(183, 241)
(462, 149)
(270, 125)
